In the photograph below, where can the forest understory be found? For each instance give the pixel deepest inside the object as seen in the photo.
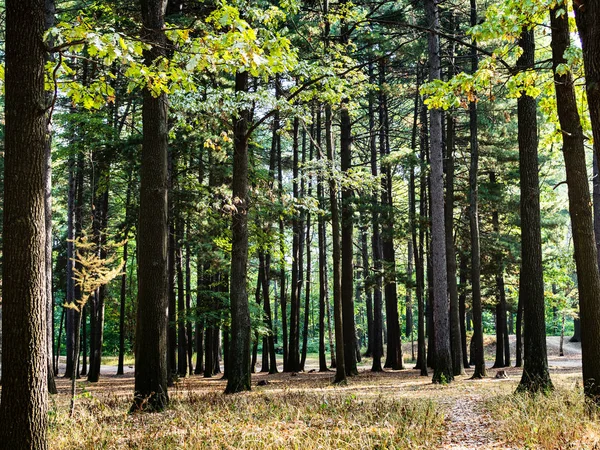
(388, 410)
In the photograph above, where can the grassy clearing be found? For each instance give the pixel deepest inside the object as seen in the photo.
(266, 420)
(556, 421)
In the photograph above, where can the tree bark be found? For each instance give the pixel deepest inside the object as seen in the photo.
(535, 371)
(50, 12)
(347, 245)
(586, 258)
(478, 359)
(394, 338)
(377, 344)
(455, 336)
(24, 304)
(443, 360)
(151, 330)
(340, 373)
(238, 373)
(293, 364)
(123, 293)
(182, 338)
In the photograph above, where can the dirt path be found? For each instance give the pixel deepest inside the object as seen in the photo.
(469, 426)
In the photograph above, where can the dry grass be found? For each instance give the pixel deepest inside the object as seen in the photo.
(270, 418)
(559, 420)
(393, 410)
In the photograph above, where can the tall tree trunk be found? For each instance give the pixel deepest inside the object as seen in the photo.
(478, 359)
(321, 231)
(172, 296)
(455, 336)
(586, 258)
(100, 223)
(347, 245)
(293, 364)
(367, 286)
(181, 311)
(307, 289)
(588, 26)
(394, 344)
(443, 360)
(535, 371)
(188, 303)
(340, 373)
(70, 293)
(238, 376)
(417, 223)
(282, 277)
(502, 344)
(151, 330)
(377, 344)
(50, 11)
(201, 329)
(123, 293)
(24, 379)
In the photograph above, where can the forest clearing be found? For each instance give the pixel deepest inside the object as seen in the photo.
(393, 410)
(300, 224)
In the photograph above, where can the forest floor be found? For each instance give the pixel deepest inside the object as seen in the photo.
(393, 410)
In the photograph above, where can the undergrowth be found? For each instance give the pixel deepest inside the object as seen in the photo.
(559, 420)
(286, 419)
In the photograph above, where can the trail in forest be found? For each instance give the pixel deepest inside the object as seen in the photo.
(469, 426)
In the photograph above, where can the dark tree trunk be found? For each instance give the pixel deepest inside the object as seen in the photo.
(347, 246)
(100, 223)
(502, 344)
(50, 11)
(83, 342)
(24, 307)
(443, 360)
(576, 330)
(462, 300)
(340, 373)
(172, 296)
(265, 264)
(588, 25)
(519, 333)
(123, 293)
(201, 287)
(151, 330)
(376, 278)
(238, 357)
(535, 371)
(293, 364)
(586, 258)
(394, 344)
(257, 299)
(478, 359)
(181, 311)
(282, 276)
(419, 248)
(455, 336)
(321, 231)
(409, 287)
(188, 305)
(367, 286)
(307, 282)
(596, 201)
(70, 293)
